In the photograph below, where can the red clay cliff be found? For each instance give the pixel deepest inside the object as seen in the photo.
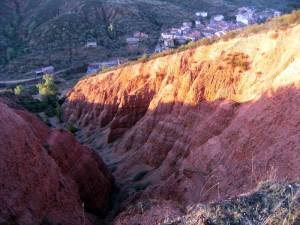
(46, 175)
(199, 125)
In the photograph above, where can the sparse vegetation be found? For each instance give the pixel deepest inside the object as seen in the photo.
(47, 88)
(32, 105)
(70, 127)
(46, 146)
(143, 58)
(140, 175)
(141, 186)
(105, 69)
(48, 91)
(238, 60)
(271, 203)
(50, 105)
(19, 90)
(46, 221)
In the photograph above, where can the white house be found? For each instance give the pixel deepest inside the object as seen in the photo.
(246, 15)
(242, 19)
(198, 23)
(207, 34)
(175, 31)
(93, 68)
(187, 24)
(182, 40)
(220, 33)
(201, 14)
(132, 41)
(158, 48)
(218, 18)
(91, 44)
(44, 70)
(276, 13)
(186, 30)
(194, 36)
(169, 43)
(166, 35)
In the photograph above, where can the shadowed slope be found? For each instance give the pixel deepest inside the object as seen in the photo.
(46, 174)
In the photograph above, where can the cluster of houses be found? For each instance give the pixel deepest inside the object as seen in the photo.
(248, 15)
(206, 25)
(133, 42)
(203, 26)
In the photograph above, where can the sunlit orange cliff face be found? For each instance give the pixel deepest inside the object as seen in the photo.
(199, 125)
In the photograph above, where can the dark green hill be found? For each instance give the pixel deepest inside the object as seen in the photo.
(36, 33)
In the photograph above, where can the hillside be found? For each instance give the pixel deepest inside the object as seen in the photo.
(37, 33)
(173, 127)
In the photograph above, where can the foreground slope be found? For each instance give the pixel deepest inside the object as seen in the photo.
(46, 174)
(203, 124)
(271, 203)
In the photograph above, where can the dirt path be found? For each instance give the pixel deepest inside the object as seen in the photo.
(20, 81)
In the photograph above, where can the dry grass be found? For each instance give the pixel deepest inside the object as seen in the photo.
(270, 204)
(238, 60)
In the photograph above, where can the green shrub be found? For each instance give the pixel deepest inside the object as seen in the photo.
(19, 90)
(47, 88)
(32, 105)
(70, 127)
(58, 112)
(105, 69)
(229, 35)
(143, 58)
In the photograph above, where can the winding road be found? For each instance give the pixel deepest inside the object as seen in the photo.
(28, 80)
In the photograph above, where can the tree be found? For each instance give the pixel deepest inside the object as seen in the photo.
(111, 28)
(47, 89)
(111, 31)
(18, 90)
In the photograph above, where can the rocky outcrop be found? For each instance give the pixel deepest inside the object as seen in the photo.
(46, 175)
(203, 124)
